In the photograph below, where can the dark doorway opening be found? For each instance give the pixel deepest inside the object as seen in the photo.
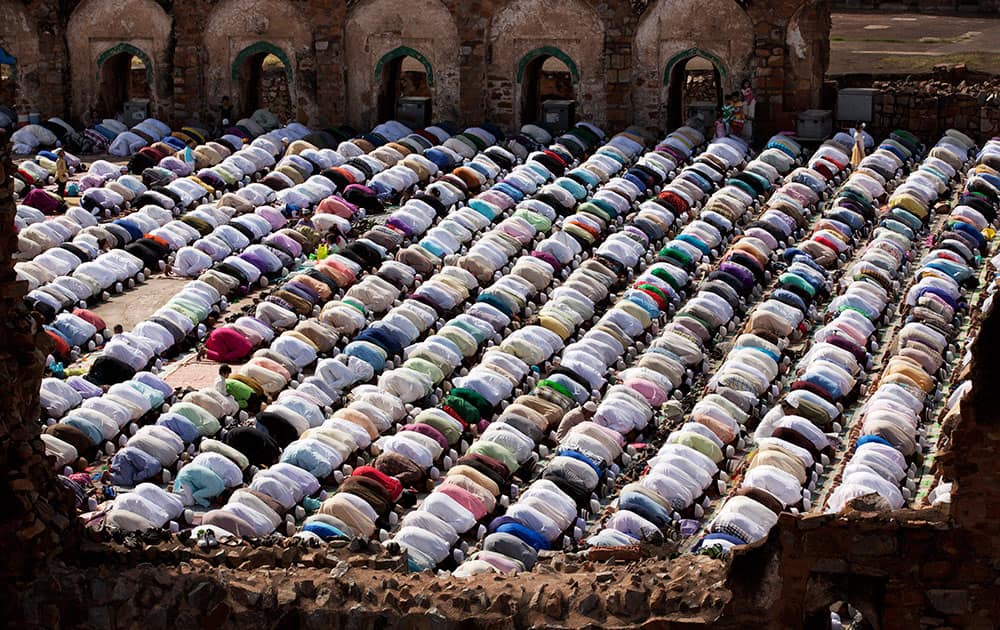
(264, 85)
(694, 93)
(124, 76)
(546, 78)
(405, 93)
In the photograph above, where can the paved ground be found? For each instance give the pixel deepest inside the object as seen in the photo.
(190, 372)
(132, 307)
(905, 43)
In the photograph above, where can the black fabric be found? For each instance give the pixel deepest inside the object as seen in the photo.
(234, 271)
(244, 230)
(278, 428)
(109, 371)
(578, 493)
(724, 291)
(148, 251)
(163, 190)
(258, 447)
(729, 279)
(76, 251)
(433, 202)
(174, 331)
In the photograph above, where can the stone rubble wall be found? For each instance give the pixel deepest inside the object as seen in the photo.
(982, 7)
(36, 522)
(928, 106)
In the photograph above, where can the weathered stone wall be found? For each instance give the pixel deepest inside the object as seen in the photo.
(172, 585)
(930, 115)
(620, 50)
(36, 523)
(929, 105)
(136, 26)
(42, 66)
(983, 7)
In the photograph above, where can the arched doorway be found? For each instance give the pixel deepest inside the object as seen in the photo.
(125, 74)
(694, 92)
(840, 615)
(8, 79)
(843, 602)
(405, 78)
(263, 74)
(548, 74)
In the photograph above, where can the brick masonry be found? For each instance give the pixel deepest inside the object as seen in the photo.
(620, 49)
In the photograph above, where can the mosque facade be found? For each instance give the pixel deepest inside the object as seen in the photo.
(325, 62)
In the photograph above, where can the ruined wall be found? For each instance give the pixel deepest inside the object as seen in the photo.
(285, 585)
(934, 567)
(36, 523)
(661, 42)
(522, 30)
(242, 30)
(42, 66)
(928, 105)
(377, 29)
(139, 27)
(982, 7)
(620, 50)
(931, 115)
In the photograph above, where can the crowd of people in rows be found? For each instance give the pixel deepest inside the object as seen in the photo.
(466, 380)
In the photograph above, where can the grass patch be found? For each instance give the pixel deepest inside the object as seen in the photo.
(964, 37)
(870, 40)
(845, 62)
(906, 64)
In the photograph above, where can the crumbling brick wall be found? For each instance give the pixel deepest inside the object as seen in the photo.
(36, 521)
(931, 567)
(192, 45)
(982, 7)
(928, 105)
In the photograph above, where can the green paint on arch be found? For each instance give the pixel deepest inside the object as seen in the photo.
(404, 51)
(689, 53)
(548, 51)
(256, 49)
(131, 50)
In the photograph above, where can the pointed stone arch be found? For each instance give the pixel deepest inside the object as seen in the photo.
(404, 51)
(257, 49)
(100, 29)
(131, 50)
(679, 101)
(548, 51)
(238, 30)
(728, 43)
(523, 30)
(378, 33)
(689, 54)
